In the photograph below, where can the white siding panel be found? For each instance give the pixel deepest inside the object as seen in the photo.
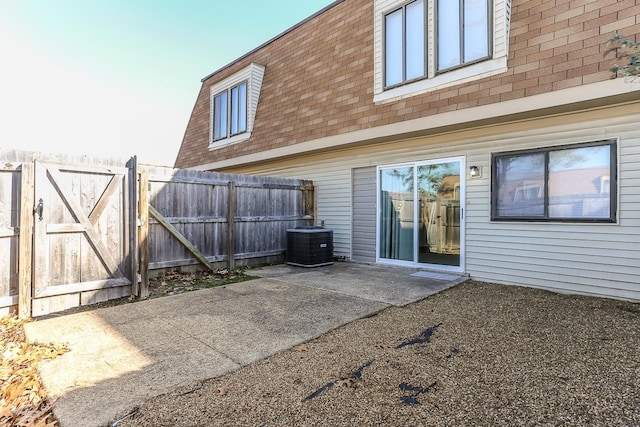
(594, 259)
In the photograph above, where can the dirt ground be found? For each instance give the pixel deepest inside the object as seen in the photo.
(476, 354)
(172, 283)
(23, 398)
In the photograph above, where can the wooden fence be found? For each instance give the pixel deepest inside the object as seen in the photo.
(219, 214)
(68, 231)
(10, 191)
(76, 230)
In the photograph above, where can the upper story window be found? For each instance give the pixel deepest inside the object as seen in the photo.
(234, 101)
(424, 45)
(405, 41)
(570, 183)
(230, 112)
(463, 32)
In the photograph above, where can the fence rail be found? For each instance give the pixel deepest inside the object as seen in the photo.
(222, 214)
(86, 231)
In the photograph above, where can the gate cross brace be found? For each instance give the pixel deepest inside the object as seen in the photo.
(76, 211)
(174, 231)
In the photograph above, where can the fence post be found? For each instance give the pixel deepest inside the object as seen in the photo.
(308, 200)
(26, 240)
(143, 235)
(132, 223)
(231, 213)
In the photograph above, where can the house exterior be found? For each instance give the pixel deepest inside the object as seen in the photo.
(484, 137)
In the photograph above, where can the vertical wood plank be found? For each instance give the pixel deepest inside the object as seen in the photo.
(41, 278)
(143, 289)
(129, 214)
(26, 240)
(231, 212)
(309, 200)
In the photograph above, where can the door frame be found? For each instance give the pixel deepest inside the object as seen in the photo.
(415, 164)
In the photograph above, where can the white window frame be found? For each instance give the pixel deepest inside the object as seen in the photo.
(403, 11)
(229, 106)
(252, 76)
(462, 191)
(496, 63)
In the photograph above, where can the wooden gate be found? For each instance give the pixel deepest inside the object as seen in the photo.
(83, 245)
(72, 227)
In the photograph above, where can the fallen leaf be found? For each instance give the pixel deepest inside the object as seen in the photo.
(301, 347)
(383, 346)
(347, 382)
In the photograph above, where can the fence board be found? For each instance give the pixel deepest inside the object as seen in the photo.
(25, 242)
(9, 210)
(143, 236)
(181, 238)
(85, 247)
(198, 205)
(232, 205)
(54, 257)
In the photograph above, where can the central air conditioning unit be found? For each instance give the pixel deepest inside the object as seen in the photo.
(309, 246)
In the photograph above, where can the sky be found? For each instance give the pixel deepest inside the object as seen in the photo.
(118, 78)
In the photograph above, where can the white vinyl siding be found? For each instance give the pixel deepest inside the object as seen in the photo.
(595, 259)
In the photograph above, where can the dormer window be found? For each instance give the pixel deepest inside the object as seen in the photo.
(233, 106)
(230, 112)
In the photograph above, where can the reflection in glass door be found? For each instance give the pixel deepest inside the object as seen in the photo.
(397, 214)
(419, 219)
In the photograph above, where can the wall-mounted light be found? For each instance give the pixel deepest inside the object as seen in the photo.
(475, 171)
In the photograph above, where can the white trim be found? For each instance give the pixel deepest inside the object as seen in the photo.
(461, 75)
(229, 141)
(253, 75)
(415, 164)
(500, 16)
(421, 126)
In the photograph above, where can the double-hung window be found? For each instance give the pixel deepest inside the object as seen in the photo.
(463, 32)
(424, 45)
(230, 112)
(234, 101)
(574, 183)
(405, 43)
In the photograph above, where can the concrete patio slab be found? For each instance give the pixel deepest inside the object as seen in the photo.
(123, 355)
(388, 284)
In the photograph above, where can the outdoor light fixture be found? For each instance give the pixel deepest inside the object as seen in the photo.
(475, 171)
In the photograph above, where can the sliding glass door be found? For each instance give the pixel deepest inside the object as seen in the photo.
(420, 213)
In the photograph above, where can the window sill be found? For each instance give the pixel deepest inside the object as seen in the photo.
(574, 221)
(451, 78)
(229, 141)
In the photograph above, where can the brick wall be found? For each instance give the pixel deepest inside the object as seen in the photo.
(319, 77)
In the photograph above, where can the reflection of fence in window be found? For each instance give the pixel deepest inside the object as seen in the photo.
(579, 206)
(605, 184)
(526, 198)
(573, 193)
(579, 193)
(528, 190)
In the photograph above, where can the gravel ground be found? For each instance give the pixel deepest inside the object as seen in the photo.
(476, 354)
